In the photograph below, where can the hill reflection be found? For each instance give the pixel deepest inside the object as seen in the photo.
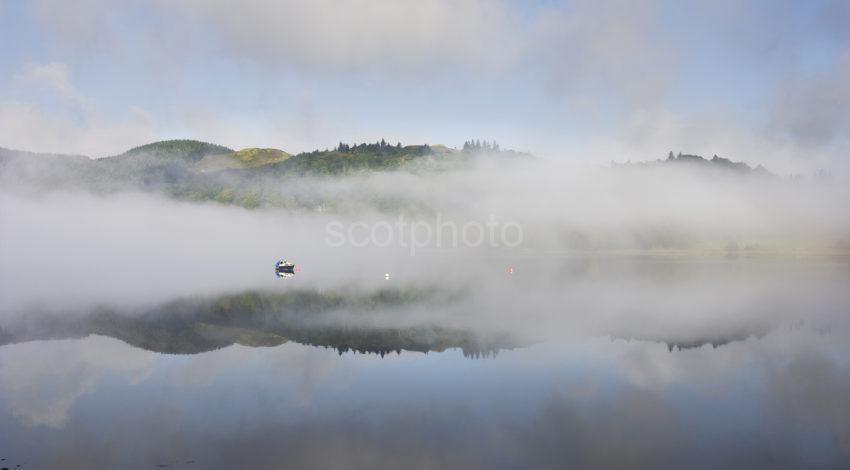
(381, 322)
(343, 321)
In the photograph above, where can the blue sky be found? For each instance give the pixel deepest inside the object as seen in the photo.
(761, 81)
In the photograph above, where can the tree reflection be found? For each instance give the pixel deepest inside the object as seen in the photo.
(338, 320)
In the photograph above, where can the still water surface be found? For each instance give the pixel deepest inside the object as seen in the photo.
(618, 362)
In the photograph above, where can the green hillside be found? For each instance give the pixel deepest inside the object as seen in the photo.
(187, 150)
(346, 158)
(241, 159)
(252, 157)
(200, 171)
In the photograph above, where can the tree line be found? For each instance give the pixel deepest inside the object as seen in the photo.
(480, 146)
(377, 146)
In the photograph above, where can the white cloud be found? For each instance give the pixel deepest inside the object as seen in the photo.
(83, 23)
(597, 52)
(26, 127)
(53, 76)
(815, 111)
(66, 121)
(323, 34)
(360, 33)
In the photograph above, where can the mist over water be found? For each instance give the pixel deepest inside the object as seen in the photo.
(647, 316)
(63, 247)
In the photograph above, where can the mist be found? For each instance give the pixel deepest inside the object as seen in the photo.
(576, 233)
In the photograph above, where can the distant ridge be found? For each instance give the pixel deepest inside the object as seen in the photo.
(718, 163)
(199, 171)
